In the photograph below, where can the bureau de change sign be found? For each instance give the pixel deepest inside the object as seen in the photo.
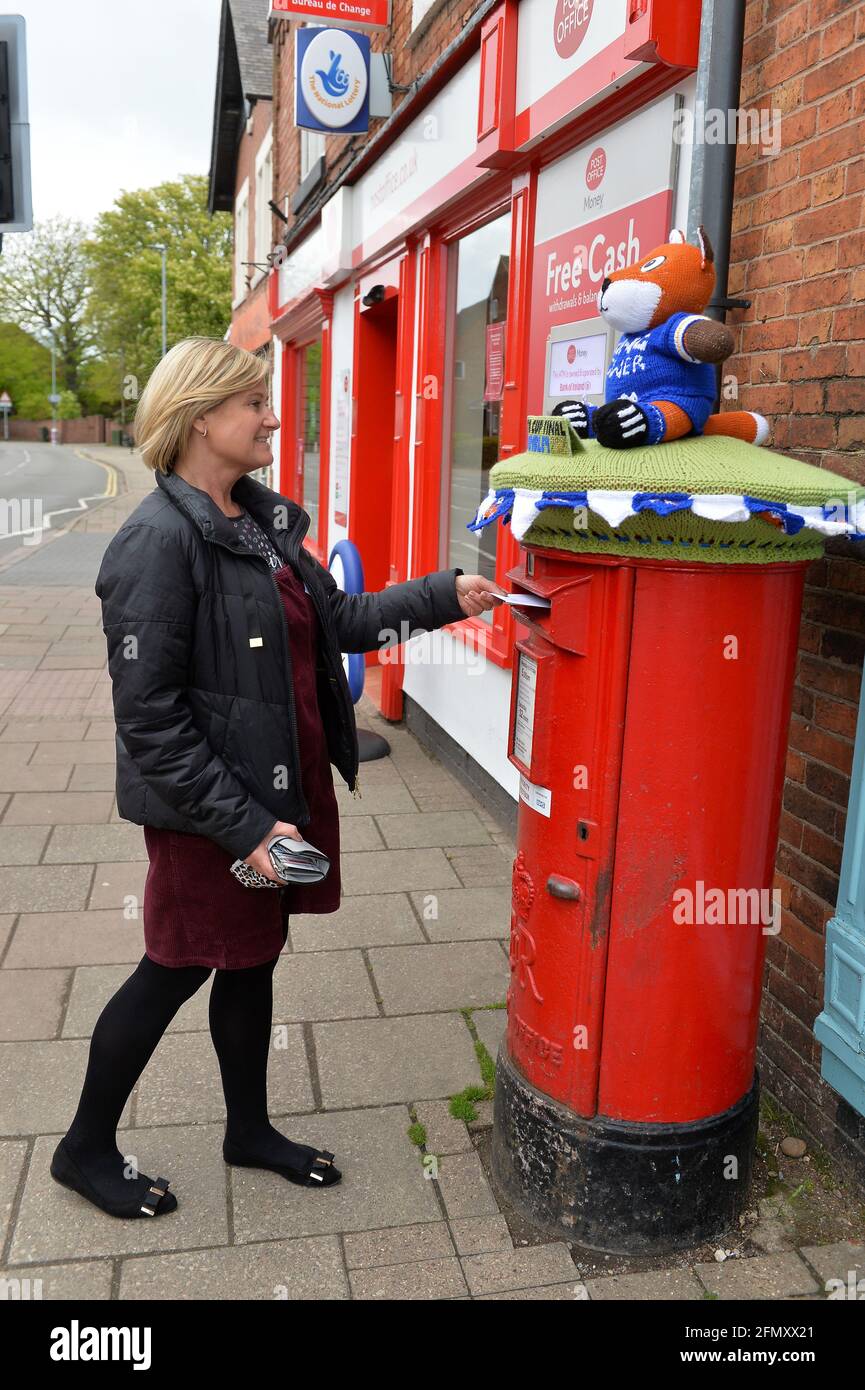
(359, 14)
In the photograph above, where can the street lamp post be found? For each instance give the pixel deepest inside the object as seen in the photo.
(54, 398)
(160, 246)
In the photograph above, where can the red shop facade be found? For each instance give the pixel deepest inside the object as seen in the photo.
(449, 290)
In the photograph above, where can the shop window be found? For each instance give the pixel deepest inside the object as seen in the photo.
(241, 242)
(263, 194)
(477, 310)
(423, 11)
(311, 149)
(309, 361)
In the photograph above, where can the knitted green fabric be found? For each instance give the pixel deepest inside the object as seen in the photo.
(680, 536)
(696, 465)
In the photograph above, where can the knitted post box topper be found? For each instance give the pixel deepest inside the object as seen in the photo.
(661, 381)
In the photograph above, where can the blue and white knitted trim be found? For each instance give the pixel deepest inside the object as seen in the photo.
(522, 506)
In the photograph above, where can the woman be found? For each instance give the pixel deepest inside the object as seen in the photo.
(225, 641)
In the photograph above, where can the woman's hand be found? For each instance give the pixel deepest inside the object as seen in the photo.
(260, 859)
(475, 594)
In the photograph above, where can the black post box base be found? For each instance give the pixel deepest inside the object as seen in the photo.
(616, 1186)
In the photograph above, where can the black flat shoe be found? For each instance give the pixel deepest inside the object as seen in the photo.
(157, 1201)
(318, 1171)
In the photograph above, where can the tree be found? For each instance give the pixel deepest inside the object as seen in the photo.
(98, 295)
(44, 284)
(25, 372)
(68, 407)
(101, 384)
(125, 305)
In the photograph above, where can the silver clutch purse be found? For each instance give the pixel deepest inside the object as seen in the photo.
(295, 861)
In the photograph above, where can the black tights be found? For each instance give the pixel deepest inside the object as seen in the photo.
(126, 1036)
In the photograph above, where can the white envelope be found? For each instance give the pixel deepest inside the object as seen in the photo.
(525, 600)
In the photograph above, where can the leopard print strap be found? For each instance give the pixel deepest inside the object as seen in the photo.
(251, 878)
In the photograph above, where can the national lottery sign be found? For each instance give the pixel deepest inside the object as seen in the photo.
(331, 89)
(360, 14)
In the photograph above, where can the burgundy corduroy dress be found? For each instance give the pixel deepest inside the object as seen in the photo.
(195, 910)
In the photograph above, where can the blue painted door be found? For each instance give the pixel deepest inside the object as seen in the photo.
(841, 1026)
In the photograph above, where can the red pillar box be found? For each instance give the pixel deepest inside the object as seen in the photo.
(649, 716)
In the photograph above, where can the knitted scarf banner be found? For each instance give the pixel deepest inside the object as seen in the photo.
(707, 498)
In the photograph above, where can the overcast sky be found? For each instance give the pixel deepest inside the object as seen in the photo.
(121, 96)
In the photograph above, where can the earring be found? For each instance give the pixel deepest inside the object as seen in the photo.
(204, 433)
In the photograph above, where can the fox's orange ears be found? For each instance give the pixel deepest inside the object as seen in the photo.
(678, 238)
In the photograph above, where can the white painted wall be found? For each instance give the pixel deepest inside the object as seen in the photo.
(468, 696)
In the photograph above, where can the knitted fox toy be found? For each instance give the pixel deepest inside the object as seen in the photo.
(661, 381)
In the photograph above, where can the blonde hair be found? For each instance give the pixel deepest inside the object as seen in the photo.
(197, 374)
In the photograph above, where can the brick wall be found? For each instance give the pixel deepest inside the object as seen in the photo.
(250, 322)
(798, 253)
(88, 429)
(411, 58)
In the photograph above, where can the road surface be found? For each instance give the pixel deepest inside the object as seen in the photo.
(45, 487)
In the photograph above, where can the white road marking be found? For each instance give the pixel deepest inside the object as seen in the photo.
(46, 523)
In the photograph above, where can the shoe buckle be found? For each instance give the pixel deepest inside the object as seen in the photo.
(324, 1159)
(149, 1205)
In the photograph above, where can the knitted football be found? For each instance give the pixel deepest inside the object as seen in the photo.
(711, 499)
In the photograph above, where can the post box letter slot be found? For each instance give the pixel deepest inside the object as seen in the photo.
(563, 887)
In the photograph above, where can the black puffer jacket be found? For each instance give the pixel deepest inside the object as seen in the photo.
(200, 662)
